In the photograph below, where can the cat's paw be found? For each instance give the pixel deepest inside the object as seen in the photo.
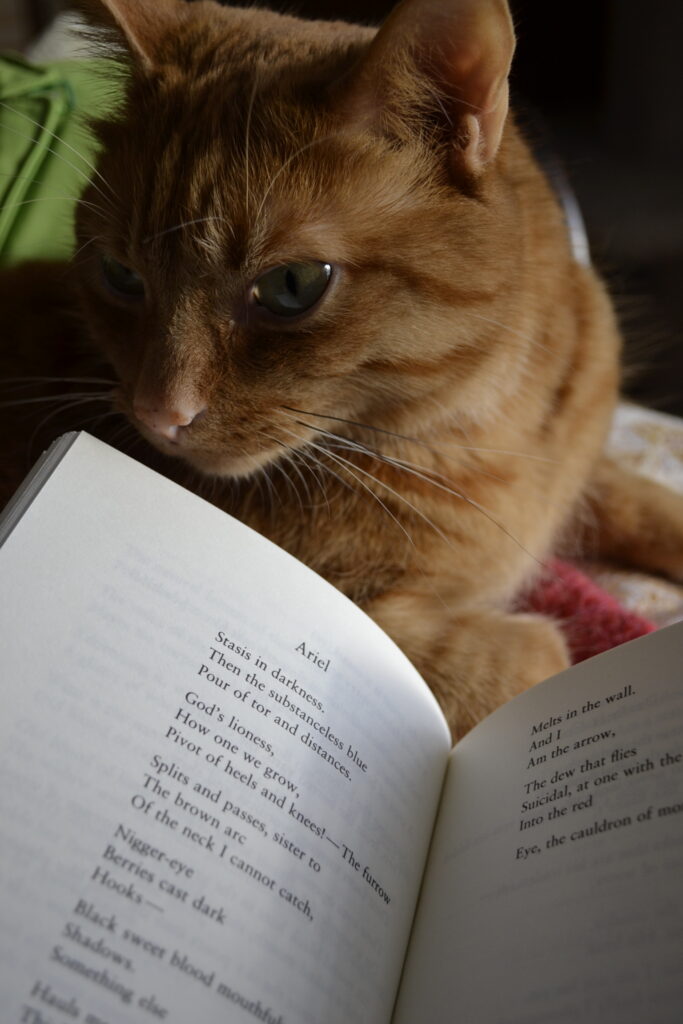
(490, 657)
(540, 651)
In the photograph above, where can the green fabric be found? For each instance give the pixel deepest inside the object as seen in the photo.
(46, 151)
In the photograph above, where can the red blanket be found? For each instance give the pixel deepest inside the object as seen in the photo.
(591, 619)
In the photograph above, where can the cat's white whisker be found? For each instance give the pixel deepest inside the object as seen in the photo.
(60, 156)
(88, 163)
(352, 447)
(345, 441)
(291, 458)
(27, 381)
(52, 199)
(435, 479)
(283, 167)
(417, 440)
(277, 465)
(247, 139)
(350, 468)
(325, 469)
(292, 462)
(272, 489)
(420, 472)
(345, 465)
(95, 238)
(98, 418)
(119, 435)
(317, 470)
(62, 409)
(318, 467)
(183, 224)
(350, 444)
(83, 396)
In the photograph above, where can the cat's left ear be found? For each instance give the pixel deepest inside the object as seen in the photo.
(462, 50)
(143, 24)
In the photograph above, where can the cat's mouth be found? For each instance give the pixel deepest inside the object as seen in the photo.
(227, 460)
(234, 454)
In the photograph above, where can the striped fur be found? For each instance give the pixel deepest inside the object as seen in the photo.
(428, 435)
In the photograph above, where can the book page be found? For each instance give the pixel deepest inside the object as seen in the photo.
(554, 889)
(219, 778)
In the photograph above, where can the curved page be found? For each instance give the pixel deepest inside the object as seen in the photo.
(219, 777)
(553, 890)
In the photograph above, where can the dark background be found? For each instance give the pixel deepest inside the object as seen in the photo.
(606, 79)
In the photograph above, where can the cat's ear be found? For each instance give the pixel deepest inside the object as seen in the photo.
(461, 50)
(142, 24)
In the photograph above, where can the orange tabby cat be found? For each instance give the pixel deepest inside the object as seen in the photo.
(329, 277)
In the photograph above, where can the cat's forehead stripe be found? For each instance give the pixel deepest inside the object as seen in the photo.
(249, 175)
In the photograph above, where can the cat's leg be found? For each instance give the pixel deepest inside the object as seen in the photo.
(474, 660)
(635, 521)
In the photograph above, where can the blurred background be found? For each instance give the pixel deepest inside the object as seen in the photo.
(601, 82)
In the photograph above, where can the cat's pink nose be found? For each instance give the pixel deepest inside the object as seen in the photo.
(166, 422)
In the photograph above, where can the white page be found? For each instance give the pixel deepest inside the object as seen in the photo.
(134, 616)
(535, 915)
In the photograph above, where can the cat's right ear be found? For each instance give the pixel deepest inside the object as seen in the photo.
(454, 54)
(142, 25)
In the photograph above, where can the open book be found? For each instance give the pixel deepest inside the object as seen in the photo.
(227, 796)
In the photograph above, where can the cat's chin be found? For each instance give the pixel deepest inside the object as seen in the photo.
(210, 462)
(224, 464)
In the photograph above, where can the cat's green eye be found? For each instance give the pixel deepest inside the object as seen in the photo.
(122, 279)
(293, 288)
